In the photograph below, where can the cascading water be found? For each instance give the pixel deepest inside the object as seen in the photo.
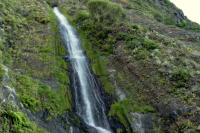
(88, 103)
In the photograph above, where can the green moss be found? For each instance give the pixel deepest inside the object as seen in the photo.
(14, 121)
(38, 96)
(29, 102)
(122, 108)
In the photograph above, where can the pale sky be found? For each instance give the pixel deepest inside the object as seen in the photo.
(191, 8)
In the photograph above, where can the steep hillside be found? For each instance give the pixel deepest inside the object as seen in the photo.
(150, 67)
(160, 10)
(145, 54)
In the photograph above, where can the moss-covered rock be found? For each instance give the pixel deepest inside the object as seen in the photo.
(14, 121)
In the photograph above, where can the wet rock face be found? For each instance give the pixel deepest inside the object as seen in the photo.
(8, 95)
(179, 16)
(142, 123)
(115, 125)
(119, 91)
(67, 122)
(53, 3)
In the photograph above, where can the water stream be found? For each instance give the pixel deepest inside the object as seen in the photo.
(88, 103)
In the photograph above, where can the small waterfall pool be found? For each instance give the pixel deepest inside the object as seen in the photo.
(88, 103)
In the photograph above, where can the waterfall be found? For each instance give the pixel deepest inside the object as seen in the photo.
(88, 103)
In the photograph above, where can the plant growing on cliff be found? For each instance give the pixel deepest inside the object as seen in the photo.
(150, 44)
(14, 121)
(104, 11)
(181, 76)
(122, 108)
(82, 15)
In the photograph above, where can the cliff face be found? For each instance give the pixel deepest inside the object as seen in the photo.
(145, 53)
(34, 83)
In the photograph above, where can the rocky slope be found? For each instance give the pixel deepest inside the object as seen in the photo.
(34, 82)
(145, 54)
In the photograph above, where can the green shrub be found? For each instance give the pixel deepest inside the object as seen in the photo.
(158, 17)
(134, 44)
(181, 76)
(182, 24)
(82, 15)
(195, 27)
(104, 11)
(150, 44)
(29, 102)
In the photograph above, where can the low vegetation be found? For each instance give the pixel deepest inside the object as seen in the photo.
(14, 121)
(104, 11)
(181, 77)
